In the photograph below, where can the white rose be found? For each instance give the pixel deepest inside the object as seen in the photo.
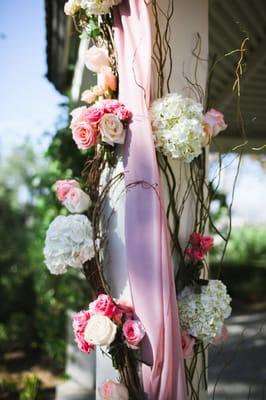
(97, 7)
(71, 7)
(100, 330)
(111, 129)
(77, 201)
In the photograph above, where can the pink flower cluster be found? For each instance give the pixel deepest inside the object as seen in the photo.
(199, 245)
(105, 121)
(119, 313)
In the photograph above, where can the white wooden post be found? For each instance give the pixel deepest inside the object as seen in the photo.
(190, 17)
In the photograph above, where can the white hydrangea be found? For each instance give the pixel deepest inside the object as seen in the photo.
(97, 7)
(68, 242)
(177, 124)
(202, 315)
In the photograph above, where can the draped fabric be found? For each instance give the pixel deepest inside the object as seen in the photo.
(149, 263)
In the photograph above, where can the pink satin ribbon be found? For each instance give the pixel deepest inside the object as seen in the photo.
(149, 262)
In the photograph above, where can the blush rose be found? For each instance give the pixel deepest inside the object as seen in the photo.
(77, 201)
(213, 124)
(111, 129)
(96, 58)
(63, 187)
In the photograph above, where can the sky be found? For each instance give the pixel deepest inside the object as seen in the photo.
(29, 103)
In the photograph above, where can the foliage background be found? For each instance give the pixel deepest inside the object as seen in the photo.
(33, 302)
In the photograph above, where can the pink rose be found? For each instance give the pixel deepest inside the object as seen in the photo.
(77, 115)
(206, 243)
(111, 390)
(79, 323)
(222, 337)
(82, 344)
(123, 114)
(103, 305)
(195, 239)
(107, 80)
(195, 253)
(88, 115)
(214, 123)
(134, 332)
(126, 307)
(110, 106)
(187, 343)
(96, 58)
(85, 135)
(63, 187)
(80, 320)
(123, 309)
(93, 115)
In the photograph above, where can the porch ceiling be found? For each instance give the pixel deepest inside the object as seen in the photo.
(230, 21)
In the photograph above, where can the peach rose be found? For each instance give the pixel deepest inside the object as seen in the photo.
(133, 332)
(96, 58)
(187, 343)
(111, 129)
(62, 188)
(89, 96)
(85, 135)
(107, 79)
(213, 124)
(111, 390)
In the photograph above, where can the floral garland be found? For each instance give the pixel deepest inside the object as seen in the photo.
(181, 131)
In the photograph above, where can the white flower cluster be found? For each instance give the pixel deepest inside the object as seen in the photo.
(177, 124)
(92, 7)
(202, 315)
(68, 242)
